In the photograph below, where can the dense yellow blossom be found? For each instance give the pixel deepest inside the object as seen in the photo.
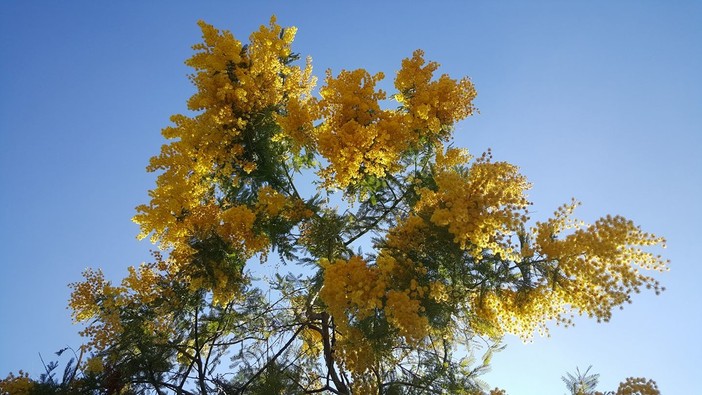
(406, 235)
(270, 202)
(403, 312)
(16, 385)
(438, 292)
(103, 307)
(598, 262)
(589, 271)
(354, 290)
(237, 87)
(581, 270)
(433, 106)
(358, 138)
(297, 125)
(97, 300)
(143, 282)
(637, 386)
(311, 343)
(351, 288)
(481, 206)
(356, 354)
(237, 227)
(247, 80)
(519, 312)
(94, 365)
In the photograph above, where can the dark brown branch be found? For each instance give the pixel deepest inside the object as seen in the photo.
(325, 388)
(329, 356)
(172, 387)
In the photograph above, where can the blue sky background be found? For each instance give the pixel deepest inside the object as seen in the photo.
(596, 100)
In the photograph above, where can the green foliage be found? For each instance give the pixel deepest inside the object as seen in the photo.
(582, 383)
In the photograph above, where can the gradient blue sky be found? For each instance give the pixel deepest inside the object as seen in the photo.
(596, 100)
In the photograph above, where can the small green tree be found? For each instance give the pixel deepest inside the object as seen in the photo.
(581, 383)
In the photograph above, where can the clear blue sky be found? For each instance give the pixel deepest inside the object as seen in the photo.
(596, 100)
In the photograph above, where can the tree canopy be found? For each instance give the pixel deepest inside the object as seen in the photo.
(335, 241)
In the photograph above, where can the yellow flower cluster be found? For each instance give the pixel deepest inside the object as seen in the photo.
(94, 365)
(438, 292)
(351, 288)
(102, 305)
(360, 140)
(297, 123)
(404, 311)
(143, 282)
(637, 386)
(16, 385)
(181, 188)
(407, 235)
(589, 271)
(299, 108)
(246, 80)
(354, 290)
(270, 202)
(597, 261)
(236, 227)
(237, 86)
(233, 226)
(311, 343)
(481, 206)
(357, 137)
(433, 106)
(518, 312)
(355, 353)
(97, 301)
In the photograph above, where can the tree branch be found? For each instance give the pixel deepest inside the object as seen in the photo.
(272, 360)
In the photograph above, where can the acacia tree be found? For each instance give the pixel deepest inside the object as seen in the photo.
(453, 258)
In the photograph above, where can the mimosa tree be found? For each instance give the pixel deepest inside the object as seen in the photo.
(380, 276)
